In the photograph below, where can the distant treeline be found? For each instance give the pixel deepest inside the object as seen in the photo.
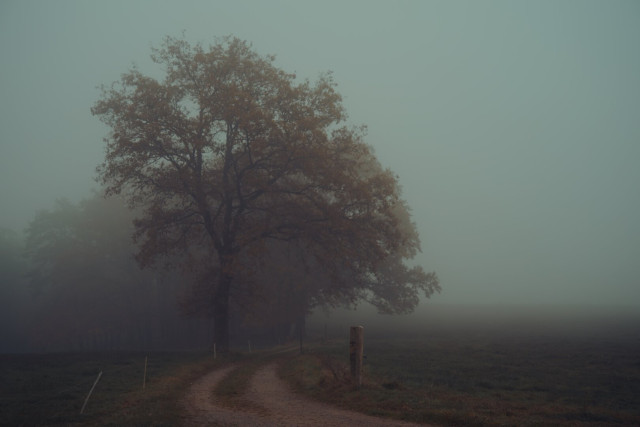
(71, 283)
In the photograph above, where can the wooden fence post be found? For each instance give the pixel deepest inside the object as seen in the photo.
(144, 377)
(356, 346)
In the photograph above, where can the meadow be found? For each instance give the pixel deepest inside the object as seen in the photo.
(549, 370)
(50, 389)
(465, 369)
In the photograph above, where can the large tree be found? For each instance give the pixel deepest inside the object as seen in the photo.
(229, 151)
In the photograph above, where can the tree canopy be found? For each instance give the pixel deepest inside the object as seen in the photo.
(229, 152)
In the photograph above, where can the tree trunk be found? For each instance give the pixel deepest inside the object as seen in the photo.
(225, 251)
(221, 313)
(301, 327)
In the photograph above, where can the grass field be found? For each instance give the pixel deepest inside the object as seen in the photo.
(50, 389)
(472, 373)
(482, 378)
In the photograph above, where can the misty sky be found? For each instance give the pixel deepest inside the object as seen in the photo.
(514, 126)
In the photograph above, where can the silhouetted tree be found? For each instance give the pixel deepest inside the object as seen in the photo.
(286, 283)
(229, 151)
(90, 292)
(82, 266)
(14, 296)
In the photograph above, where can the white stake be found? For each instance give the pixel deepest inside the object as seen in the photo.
(90, 391)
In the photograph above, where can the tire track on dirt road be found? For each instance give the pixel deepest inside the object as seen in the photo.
(272, 403)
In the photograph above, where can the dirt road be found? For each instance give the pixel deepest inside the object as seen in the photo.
(271, 403)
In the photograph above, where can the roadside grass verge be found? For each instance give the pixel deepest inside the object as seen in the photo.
(480, 380)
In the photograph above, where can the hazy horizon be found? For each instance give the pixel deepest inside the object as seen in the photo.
(514, 126)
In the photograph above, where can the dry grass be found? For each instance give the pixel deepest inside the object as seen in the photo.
(485, 380)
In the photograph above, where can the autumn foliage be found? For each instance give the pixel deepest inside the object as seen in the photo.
(229, 154)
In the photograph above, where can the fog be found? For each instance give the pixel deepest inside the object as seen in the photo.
(513, 126)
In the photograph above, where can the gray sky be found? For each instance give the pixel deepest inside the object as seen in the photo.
(514, 126)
